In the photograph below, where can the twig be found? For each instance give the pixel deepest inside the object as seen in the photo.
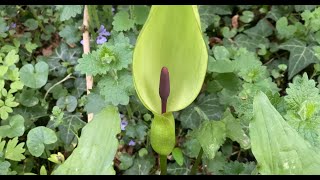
(86, 50)
(64, 79)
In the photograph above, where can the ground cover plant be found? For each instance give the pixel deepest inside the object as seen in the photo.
(143, 90)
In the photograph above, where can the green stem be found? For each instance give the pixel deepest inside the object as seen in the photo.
(163, 164)
(196, 164)
(130, 114)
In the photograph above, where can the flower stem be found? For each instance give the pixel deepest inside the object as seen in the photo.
(163, 164)
(196, 164)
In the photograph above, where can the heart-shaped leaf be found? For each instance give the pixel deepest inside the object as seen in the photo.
(34, 76)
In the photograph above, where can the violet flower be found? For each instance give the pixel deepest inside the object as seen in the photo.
(132, 143)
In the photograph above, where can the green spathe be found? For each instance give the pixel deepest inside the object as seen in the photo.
(277, 147)
(172, 38)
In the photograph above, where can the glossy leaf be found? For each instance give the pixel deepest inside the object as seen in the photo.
(158, 46)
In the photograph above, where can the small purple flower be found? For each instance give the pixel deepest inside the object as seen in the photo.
(103, 32)
(13, 25)
(132, 143)
(123, 125)
(81, 41)
(101, 39)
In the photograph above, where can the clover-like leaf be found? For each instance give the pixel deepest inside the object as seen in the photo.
(34, 76)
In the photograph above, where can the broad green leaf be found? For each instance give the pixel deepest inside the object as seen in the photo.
(38, 137)
(246, 17)
(301, 56)
(28, 98)
(32, 24)
(93, 156)
(95, 103)
(14, 150)
(187, 64)
(15, 128)
(211, 135)
(34, 76)
(69, 11)
(178, 156)
(122, 22)
(277, 147)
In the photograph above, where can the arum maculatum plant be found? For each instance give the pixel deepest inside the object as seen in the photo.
(169, 67)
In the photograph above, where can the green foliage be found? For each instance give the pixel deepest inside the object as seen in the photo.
(252, 48)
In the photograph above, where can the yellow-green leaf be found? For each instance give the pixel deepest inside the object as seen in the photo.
(171, 37)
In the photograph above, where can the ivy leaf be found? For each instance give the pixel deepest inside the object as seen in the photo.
(211, 135)
(191, 147)
(70, 126)
(32, 24)
(176, 169)
(208, 104)
(277, 12)
(15, 127)
(300, 56)
(117, 91)
(122, 22)
(14, 150)
(38, 137)
(141, 165)
(300, 8)
(68, 102)
(140, 14)
(34, 76)
(69, 11)
(209, 15)
(71, 34)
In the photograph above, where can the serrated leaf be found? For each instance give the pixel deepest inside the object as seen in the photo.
(211, 135)
(14, 151)
(95, 103)
(301, 56)
(117, 91)
(288, 152)
(14, 129)
(69, 11)
(93, 156)
(285, 30)
(11, 58)
(137, 131)
(38, 137)
(208, 104)
(34, 76)
(122, 22)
